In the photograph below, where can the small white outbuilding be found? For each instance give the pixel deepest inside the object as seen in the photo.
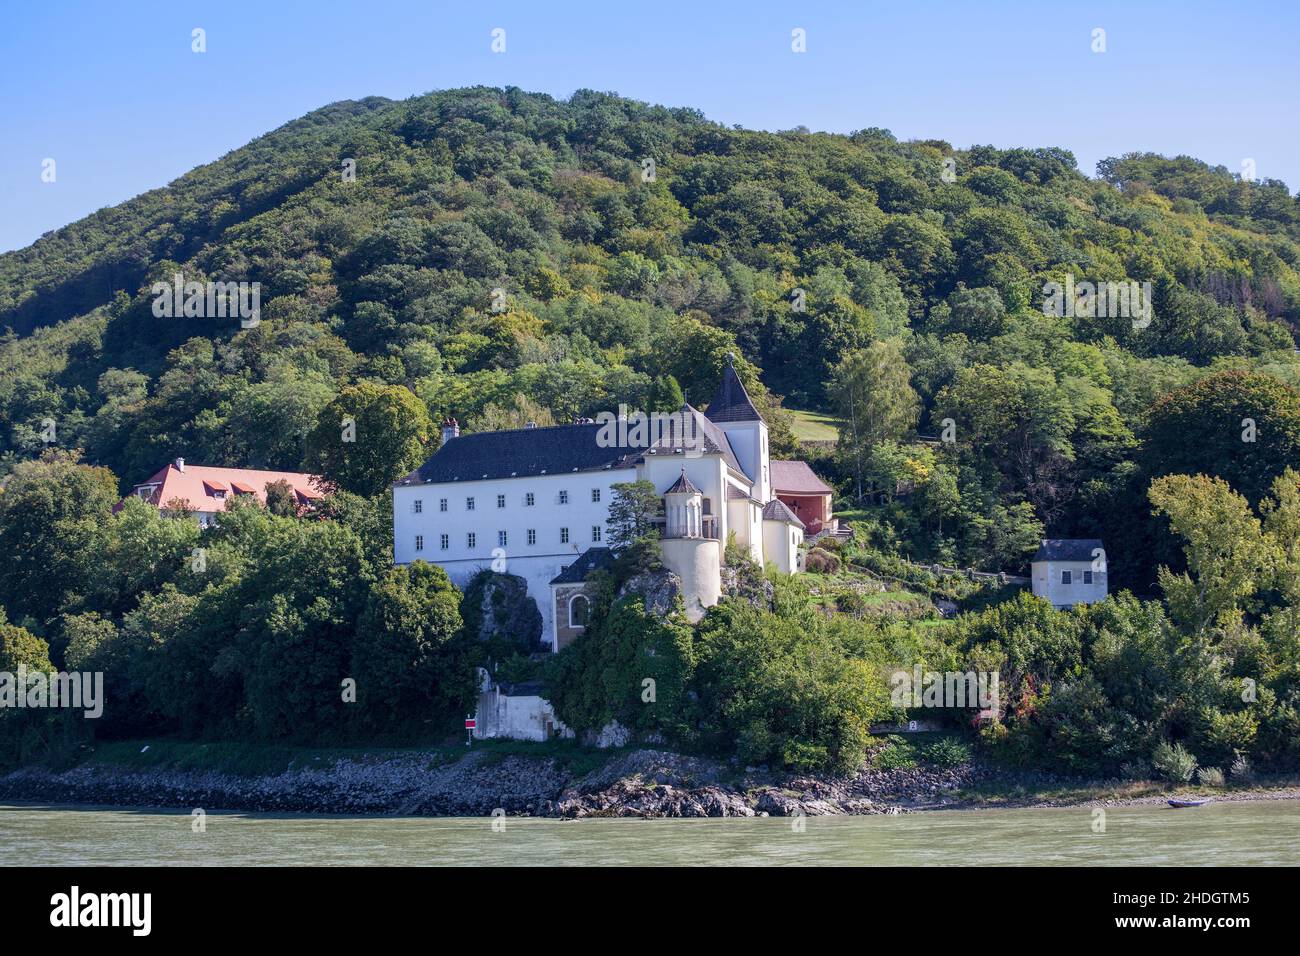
(1069, 571)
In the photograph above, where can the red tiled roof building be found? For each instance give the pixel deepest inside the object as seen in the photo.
(205, 489)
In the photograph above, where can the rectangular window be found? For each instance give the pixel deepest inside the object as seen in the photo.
(419, 542)
(1067, 577)
(529, 499)
(444, 542)
(595, 532)
(1087, 577)
(469, 540)
(469, 504)
(442, 504)
(564, 497)
(532, 535)
(501, 539)
(417, 506)
(595, 494)
(501, 501)
(564, 536)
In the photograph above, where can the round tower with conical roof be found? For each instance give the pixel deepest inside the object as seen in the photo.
(687, 548)
(683, 510)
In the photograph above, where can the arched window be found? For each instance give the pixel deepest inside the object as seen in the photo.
(578, 608)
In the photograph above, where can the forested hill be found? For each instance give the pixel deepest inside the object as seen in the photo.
(636, 243)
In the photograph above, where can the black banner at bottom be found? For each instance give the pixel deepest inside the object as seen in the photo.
(216, 905)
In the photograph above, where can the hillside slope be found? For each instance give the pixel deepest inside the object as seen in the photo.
(635, 245)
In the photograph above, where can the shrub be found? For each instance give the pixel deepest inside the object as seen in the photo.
(1209, 777)
(1136, 770)
(821, 561)
(897, 754)
(1173, 762)
(947, 753)
(850, 602)
(1242, 771)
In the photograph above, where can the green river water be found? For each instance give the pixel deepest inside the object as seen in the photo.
(1258, 833)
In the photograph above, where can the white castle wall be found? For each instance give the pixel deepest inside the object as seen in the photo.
(537, 563)
(698, 562)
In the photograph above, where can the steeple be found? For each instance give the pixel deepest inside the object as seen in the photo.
(731, 402)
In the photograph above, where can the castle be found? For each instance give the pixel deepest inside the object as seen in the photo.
(534, 502)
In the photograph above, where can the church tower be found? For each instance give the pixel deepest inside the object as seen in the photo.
(733, 412)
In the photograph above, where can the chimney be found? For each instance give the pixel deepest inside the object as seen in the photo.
(450, 430)
(180, 465)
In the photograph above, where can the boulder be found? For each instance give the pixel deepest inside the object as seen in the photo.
(498, 606)
(660, 588)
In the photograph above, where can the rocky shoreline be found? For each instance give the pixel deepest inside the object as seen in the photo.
(641, 783)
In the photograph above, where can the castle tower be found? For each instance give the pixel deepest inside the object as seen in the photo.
(683, 510)
(687, 551)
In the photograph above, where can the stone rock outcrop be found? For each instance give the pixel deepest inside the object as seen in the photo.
(498, 606)
(659, 587)
(747, 583)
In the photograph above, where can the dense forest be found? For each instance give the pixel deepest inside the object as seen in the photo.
(503, 256)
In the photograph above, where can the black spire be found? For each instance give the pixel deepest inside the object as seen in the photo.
(731, 402)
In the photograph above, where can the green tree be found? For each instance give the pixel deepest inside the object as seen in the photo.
(1239, 426)
(875, 401)
(51, 514)
(1224, 547)
(412, 662)
(632, 511)
(368, 437)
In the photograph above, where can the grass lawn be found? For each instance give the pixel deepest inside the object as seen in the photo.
(814, 426)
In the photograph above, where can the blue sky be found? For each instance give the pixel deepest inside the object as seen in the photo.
(113, 93)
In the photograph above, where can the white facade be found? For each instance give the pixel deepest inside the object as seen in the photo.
(781, 543)
(519, 519)
(541, 539)
(1066, 583)
(516, 716)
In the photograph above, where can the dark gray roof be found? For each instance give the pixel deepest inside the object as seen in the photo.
(706, 437)
(522, 451)
(683, 486)
(731, 402)
(1066, 549)
(558, 449)
(775, 510)
(590, 560)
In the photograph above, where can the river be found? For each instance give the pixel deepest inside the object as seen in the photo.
(1254, 833)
